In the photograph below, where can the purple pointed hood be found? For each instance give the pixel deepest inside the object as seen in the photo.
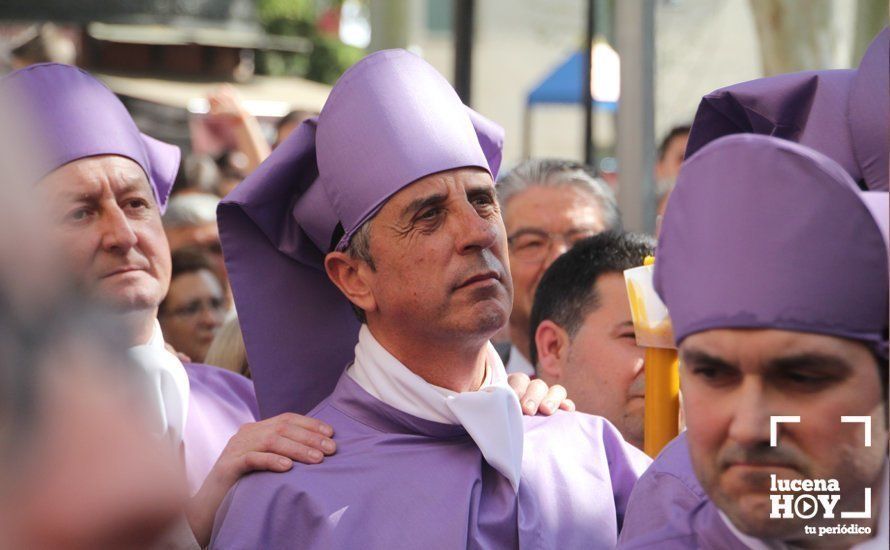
(390, 120)
(844, 114)
(761, 232)
(72, 116)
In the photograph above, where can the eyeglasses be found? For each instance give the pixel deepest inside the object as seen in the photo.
(196, 307)
(533, 245)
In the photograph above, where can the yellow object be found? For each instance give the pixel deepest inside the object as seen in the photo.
(662, 407)
(655, 333)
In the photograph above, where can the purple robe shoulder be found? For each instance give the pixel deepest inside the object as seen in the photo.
(220, 402)
(669, 509)
(398, 481)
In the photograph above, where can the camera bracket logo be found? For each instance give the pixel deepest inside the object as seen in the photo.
(812, 496)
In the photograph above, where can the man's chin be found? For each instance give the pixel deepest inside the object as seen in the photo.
(749, 513)
(488, 316)
(128, 301)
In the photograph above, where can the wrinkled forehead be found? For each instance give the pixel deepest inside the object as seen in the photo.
(89, 175)
(440, 184)
(552, 202)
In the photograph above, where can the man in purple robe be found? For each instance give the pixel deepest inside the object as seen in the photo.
(105, 185)
(384, 209)
(844, 114)
(774, 267)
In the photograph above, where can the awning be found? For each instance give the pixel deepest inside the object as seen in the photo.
(264, 96)
(241, 36)
(564, 85)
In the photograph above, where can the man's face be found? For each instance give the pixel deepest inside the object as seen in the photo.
(439, 251)
(565, 212)
(668, 168)
(734, 380)
(107, 224)
(203, 237)
(603, 366)
(193, 312)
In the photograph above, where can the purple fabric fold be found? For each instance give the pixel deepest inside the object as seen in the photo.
(426, 485)
(220, 402)
(843, 114)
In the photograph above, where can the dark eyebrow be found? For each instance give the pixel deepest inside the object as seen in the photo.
(138, 184)
(701, 358)
(423, 202)
(816, 361)
(477, 190)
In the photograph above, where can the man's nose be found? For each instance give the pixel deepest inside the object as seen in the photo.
(117, 233)
(210, 317)
(474, 231)
(558, 247)
(750, 424)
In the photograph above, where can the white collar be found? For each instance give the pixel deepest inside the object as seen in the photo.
(492, 415)
(167, 385)
(880, 540)
(518, 363)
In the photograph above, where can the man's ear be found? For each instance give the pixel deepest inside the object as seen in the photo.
(351, 276)
(552, 343)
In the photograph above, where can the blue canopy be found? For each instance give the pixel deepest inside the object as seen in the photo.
(564, 85)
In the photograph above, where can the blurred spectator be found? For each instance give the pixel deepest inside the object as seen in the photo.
(67, 389)
(195, 306)
(43, 43)
(233, 167)
(547, 205)
(582, 335)
(288, 123)
(227, 350)
(199, 174)
(190, 222)
(227, 105)
(671, 152)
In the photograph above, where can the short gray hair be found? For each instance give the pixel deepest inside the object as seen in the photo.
(359, 248)
(548, 172)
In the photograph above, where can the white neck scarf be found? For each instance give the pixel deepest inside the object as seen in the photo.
(492, 415)
(168, 385)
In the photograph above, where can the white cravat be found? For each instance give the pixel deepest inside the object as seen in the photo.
(491, 415)
(168, 385)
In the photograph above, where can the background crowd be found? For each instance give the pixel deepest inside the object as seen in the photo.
(80, 382)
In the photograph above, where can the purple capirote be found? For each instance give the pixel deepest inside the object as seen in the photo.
(761, 232)
(390, 120)
(844, 114)
(71, 116)
(398, 481)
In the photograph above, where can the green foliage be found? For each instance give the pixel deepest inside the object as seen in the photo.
(329, 57)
